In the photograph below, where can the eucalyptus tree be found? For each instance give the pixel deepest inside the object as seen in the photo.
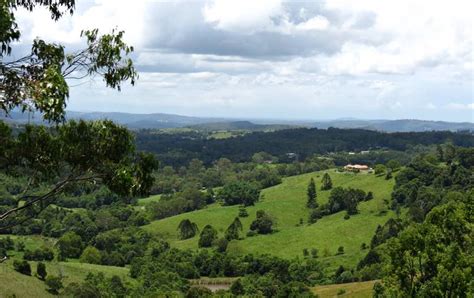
(72, 152)
(311, 194)
(187, 229)
(232, 231)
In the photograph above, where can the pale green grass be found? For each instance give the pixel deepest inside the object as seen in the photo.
(144, 201)
(286, 203)
(221, 135)
(22, 285)
(353, 290)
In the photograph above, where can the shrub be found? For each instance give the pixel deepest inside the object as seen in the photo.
(221, 244)
(40, 254)
(41, 271)
(340, 250)
(237, 288)
(263, 224)
(243, 212)
(198, 292)
(207, 237)
(305, 252)
(239, 192)
(90, 255)
(54, 284)
(22, 266)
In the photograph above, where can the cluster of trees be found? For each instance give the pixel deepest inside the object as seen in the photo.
(187, 200)
(263, 224)
(239, 193)
(429, 252)
(171, 179)
(55, 159)
(340, 199)
(166, 270)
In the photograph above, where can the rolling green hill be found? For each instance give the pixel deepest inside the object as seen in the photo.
(286, 203)
(20, 285)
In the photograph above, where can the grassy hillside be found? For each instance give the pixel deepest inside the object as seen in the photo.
(22, 285)
(286, 203)
(30, 286)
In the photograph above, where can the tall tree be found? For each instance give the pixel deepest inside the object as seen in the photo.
(73, 153)
(38, 81)
(187, 229)
(232, 231)
(326, 182)
(433, 259)
(207, 237)
(311, 194)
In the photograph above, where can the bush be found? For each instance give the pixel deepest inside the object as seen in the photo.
(347, 216)
(70, 245)
(54, 284)
(314, 215)
(263, 224)
(90, 255)
(239, 192)
(340, 250)
(221, 244)
(198, 292)
(41, 271)
(237, 288)
(22, 266)
(243, 212)
(40, 254)
(207, 237)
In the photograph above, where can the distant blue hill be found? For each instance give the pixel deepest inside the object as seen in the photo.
(161, 120)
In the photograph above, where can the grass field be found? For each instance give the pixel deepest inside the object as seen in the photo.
(353, 290)
(22, 285)
(286, 203)
(144, 201)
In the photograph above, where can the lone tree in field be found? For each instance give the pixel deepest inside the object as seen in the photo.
(207, 237)
(232, 231)
(41, 271)
(311, 193)
(73, 152)
(326, 182)
(263, 224)
(187, 229)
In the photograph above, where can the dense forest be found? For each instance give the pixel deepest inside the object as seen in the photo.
(180, 148)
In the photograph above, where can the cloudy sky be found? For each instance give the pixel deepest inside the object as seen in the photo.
(281, 59)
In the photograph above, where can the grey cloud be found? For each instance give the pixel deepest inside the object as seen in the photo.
(180, 28)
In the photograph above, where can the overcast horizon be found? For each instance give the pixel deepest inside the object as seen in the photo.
(270, 59)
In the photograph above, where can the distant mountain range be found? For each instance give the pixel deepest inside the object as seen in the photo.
(403, 125)
(160, 120)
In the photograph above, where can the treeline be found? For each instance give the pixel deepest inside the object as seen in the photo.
(179, 149)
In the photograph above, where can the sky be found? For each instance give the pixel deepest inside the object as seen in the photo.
(313, 60)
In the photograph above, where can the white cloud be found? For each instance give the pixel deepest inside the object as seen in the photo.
(331, 58)
(245, 16)
(460, 106)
